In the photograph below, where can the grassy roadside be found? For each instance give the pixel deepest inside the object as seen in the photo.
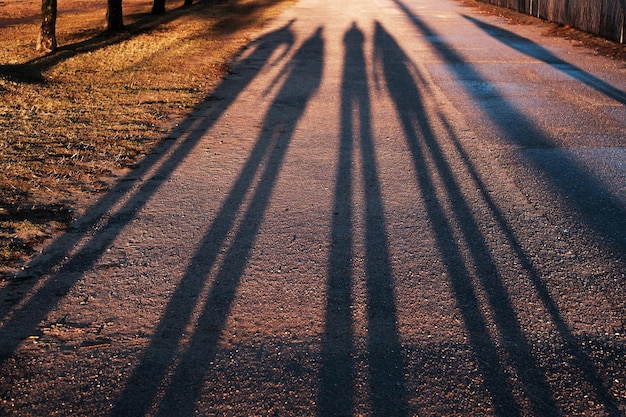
(600, 46)
(74, 121)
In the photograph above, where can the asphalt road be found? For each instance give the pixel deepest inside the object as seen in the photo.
(389, 207)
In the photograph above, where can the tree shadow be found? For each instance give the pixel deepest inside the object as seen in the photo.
(31, 214)
(64, 261)
(10, 21)
(424, 146)
(387, 387)
(302, 74)
(32, 71)
(530, 48)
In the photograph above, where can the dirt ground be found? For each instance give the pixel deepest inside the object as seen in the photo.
(74, 121)
(223, 281)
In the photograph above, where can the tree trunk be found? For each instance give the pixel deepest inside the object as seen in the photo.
(188, 3)
(47, 40)
(115, 18)
(158, 7)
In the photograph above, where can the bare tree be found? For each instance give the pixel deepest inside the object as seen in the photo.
(47, 41)
(115, 17)
(158, 7)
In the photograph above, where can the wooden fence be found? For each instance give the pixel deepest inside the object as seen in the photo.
(601, 17)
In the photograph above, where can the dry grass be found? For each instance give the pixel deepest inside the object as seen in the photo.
(73, 121)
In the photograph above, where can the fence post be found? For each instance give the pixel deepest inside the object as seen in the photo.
(621, 32)
(538, 7)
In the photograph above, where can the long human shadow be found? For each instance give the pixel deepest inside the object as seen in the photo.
(612, 215)
(594, 204)
(302, 78)
(424, 146)
(530, 48)
(64, 261)
(32, 70)
(576, 356)
(336, 390)
(387, 387)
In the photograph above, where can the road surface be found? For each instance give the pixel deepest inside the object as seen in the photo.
(389, 207)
